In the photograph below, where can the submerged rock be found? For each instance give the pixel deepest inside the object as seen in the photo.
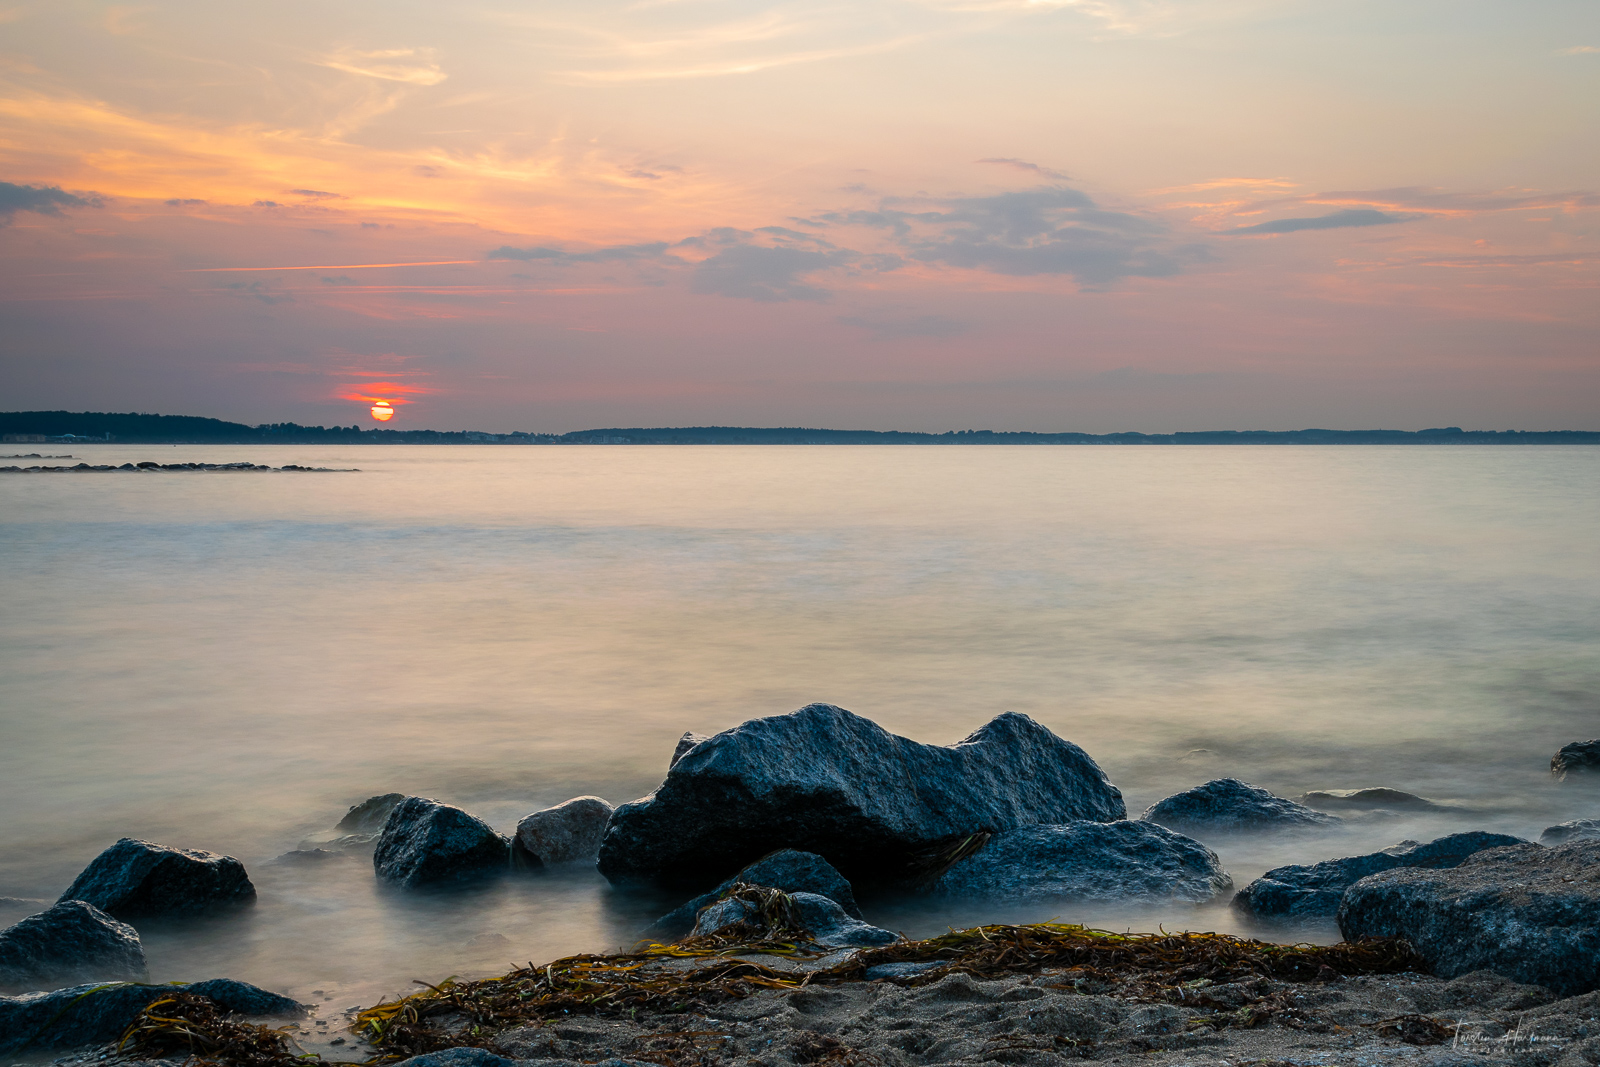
(823, 780)
(1581, 758)
(136, 879)
(71, 942)
(1087, 861)
(92, 1015)
(1529, 913)
(823, 919)
(567, 833)
(786, 869)
(1365, 800)
(1575, 830)
(303, 857)
(369, 816)
(1229, 806)
(685, 744)
(360, 827)
(425, 842)
(1314, 890)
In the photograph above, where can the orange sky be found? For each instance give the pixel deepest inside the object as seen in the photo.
(1045, 214)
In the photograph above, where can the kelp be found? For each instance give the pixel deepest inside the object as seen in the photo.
(650, 979)
(193, 1024)
(1169, 959)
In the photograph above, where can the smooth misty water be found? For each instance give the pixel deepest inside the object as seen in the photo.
(229, 661)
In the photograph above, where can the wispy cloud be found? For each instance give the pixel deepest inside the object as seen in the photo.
(1024, 165)
(1338, 220)
(1578, 50)
(413, 66)
(597, 255)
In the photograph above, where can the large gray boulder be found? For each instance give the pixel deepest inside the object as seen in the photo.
(1529, 913)
(570, 832)
(823, 780)
(70, 942)
(1229, 806)
(1574, 830)
(1579, 759)
(92, 1015)
(1104, 862)
(825, 923)
(786, 869)
(425, 842)
(1313, 891)
(136, 880)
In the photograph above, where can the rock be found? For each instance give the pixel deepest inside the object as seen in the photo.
(369, 816)
(458, 1057)
(1581, 758)
(1229, 806)
(92, 1015)
(425, 842)
(685, 743)
(1365, 800)
(1576, 830)
(136, 879)
(899, 970)
(1526, 912)
(70, 942)
(786, 869)
(1314, 890)
(820, 917)
(566, 833)
(823, 780)
(302, 857)
(1107, 862)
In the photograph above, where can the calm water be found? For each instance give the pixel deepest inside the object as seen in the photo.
(229, 661)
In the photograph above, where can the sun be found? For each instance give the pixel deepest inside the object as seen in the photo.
(382, 411)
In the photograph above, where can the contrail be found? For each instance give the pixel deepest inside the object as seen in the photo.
(333, 266)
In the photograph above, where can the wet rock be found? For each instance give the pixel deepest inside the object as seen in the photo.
(823, 780)
(786, 869)
(567, 833)
(92, 1015)
(1529, 913)
(302, 857)
(1575, 830)
(1314, 890)
(458, 1057)
(425, 842)
(369, 816)
(822, 918)
(136, 879)
(1229, 806)
(70, 942)
(1579, 759)
(685, 743)
(1108, 862)
(1365, 800)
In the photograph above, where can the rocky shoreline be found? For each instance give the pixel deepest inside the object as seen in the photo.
(148, 466)
(1478, 946)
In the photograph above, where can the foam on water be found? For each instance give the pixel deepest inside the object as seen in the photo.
(229, 663)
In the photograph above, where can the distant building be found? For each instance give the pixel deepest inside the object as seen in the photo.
(24, 438)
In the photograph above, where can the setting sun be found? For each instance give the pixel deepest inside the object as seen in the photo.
(382, 411)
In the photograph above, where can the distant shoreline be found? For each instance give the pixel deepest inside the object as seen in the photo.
(21, 428)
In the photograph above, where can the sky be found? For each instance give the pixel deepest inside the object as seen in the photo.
(1091, 215)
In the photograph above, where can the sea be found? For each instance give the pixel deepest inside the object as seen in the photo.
(229, 661)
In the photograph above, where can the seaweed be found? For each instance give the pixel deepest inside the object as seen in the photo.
(660, 978)
(193, 1024)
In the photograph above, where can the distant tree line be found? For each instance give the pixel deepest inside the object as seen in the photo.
(134, 428)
